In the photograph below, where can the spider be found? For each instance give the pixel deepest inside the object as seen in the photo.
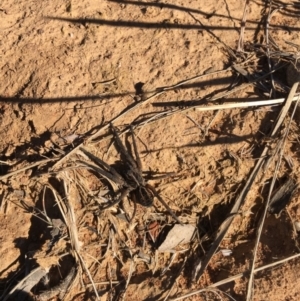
(131, 181)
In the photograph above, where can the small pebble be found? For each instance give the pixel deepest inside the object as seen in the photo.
(297, 226)
(226, 252)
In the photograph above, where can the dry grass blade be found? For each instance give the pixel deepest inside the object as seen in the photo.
(214, 36)
(163, 115)
(235, 277)
(97, 169)
(270, 13)
(13, 173)
(158, 92)
(100, 131)
(243, 86)
(68, 214)
(280, 119)
(244, 104)
(243, 25)
(183, 82)
(6, 163)
(202, 264)
(283, 195)
(131, 270)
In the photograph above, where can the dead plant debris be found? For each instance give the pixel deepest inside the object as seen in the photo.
(165, 192)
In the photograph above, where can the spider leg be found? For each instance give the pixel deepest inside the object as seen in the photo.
(123, 150)
(111, 173)
(124, 192)
(123, 195)
(134, 207)
(101, 171)
(161, 176)
(137, 157)
(164, 203)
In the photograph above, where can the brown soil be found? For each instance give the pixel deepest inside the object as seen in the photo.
(68, 69)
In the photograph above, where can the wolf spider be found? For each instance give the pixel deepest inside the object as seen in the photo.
(131, 181)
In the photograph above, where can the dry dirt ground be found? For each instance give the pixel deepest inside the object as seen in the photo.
(70, 68)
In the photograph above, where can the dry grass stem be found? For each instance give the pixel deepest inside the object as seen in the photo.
(235, 277)
(102, 129)
(13, 173)
(68, 214)
(279, 122)
(270, 14)
(240, 47)
(244, 104)
(202, 264)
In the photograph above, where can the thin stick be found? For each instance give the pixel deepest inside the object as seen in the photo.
(212, 34)
(235, 105)
(68, 214)
(171, 87)
(235, 277)
(282, 116)
(202, 264)
(105, 283)
(131, 270)
(250, 83)
(99, 132)
(240, 47)
(270, 13)
(204, 108)
(6, 163)
(26, 168)
(285, 109)
(246, 104)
